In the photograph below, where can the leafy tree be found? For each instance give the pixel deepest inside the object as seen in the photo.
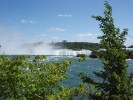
(31, 78)
(116, 83)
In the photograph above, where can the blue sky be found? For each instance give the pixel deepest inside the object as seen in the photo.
(57, 20)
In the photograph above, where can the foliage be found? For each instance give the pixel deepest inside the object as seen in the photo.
(115, 82)
(80, 55)
(30, 78)
(96, 54)
(99, 53)
(77, 45)
(129, 54)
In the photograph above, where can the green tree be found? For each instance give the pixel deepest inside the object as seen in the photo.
(116, 82)
(31, 78)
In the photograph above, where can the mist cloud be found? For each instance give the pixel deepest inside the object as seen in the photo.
(13, 42)
(9, 40)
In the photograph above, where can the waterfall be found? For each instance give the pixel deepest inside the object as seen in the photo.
(70, 52)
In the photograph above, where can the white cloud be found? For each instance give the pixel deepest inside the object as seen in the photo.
(65, 15)
(56, 29)
(54, 38)
(86, 36)
(27, 21)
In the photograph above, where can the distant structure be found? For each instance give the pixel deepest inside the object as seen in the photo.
(64, 41)
(52, 42)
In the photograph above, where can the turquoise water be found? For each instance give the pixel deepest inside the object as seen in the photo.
(87, 67)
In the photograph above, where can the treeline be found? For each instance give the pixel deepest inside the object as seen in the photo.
(96, 54)
(77, 45)
(130, 46)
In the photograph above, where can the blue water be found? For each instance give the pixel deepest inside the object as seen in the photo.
(87, 67)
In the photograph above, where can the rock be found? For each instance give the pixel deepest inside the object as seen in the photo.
(80, 55)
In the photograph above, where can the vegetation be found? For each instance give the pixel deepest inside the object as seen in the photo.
(130, 46)
(129, 54)
(97, 53)
(77, 45)
(116, 83)
(24, 79)
(81, 55)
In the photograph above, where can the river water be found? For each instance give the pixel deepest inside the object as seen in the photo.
(87, 67)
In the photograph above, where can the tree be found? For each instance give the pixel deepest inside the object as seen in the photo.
(115, 81)
(29, 78)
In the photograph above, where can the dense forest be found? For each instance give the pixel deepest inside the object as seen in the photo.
(77, 45)
(97, 53)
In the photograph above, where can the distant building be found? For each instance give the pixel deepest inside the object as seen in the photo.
(52, 42)
(64, 41)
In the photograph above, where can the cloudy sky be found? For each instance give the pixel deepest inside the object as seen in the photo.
(57, 20)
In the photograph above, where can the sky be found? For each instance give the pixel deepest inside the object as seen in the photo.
(28, 21)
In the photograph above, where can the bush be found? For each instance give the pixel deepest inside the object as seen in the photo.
(28, 77)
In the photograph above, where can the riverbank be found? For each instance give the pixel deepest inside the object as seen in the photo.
(95, 54)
